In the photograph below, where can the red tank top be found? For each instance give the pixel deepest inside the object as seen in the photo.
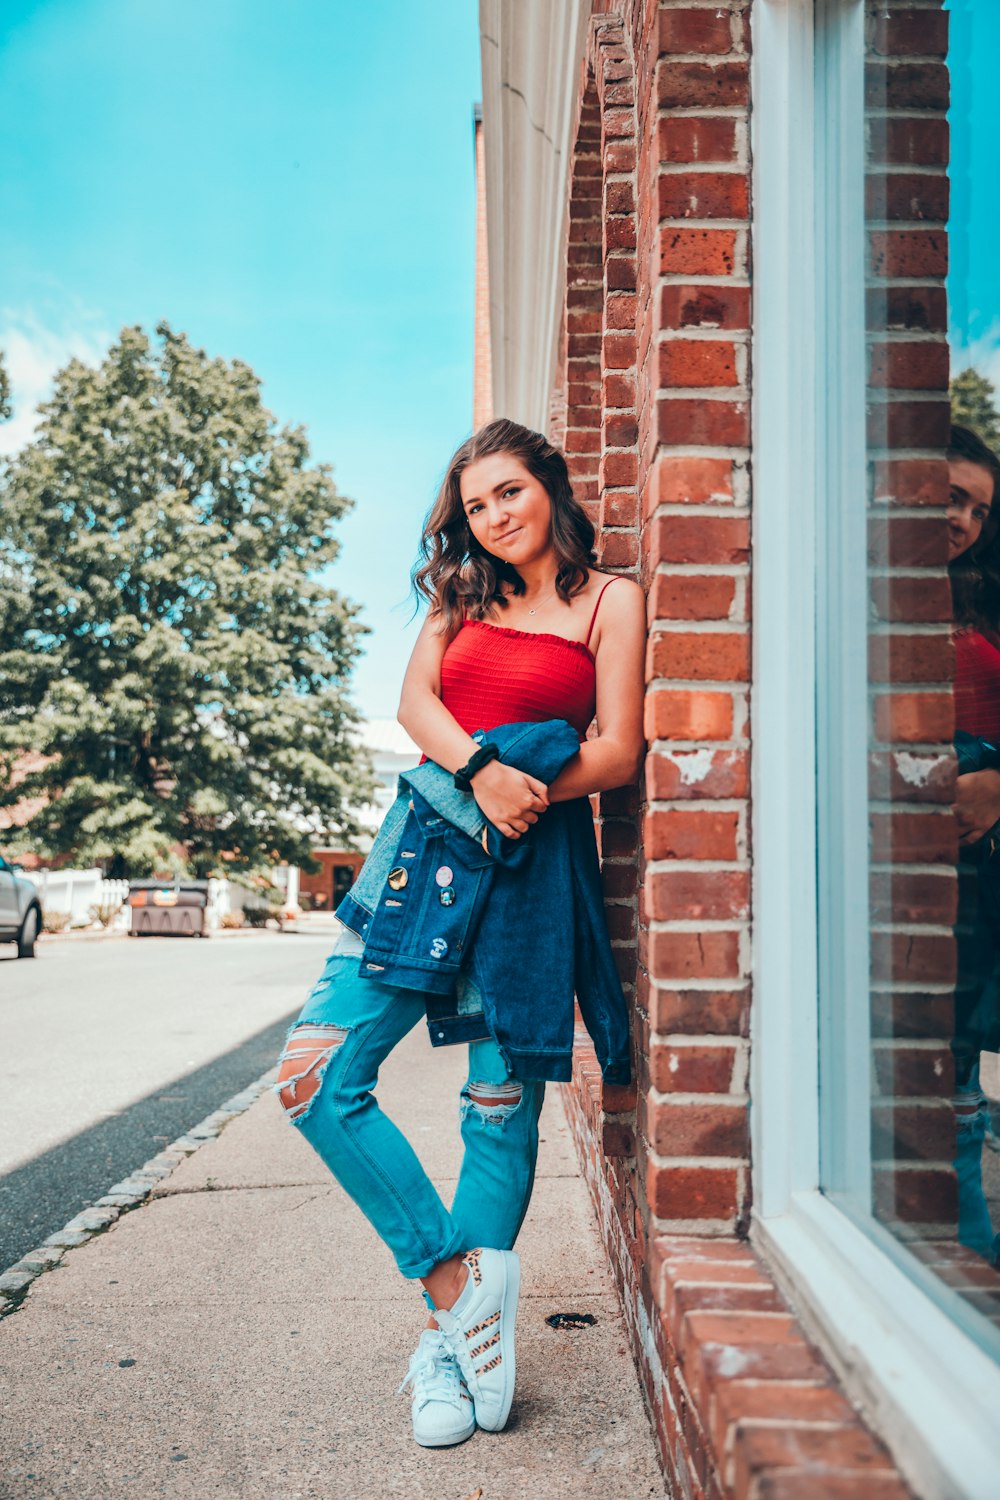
(491, 674)
(977, 685)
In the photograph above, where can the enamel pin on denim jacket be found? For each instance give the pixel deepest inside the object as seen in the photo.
(498, 933)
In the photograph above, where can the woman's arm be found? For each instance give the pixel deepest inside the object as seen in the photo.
(615, 757)
(510, 799)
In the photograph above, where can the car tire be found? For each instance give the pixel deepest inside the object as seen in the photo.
(29, 932)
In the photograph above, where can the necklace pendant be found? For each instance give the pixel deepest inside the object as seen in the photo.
(531, 611)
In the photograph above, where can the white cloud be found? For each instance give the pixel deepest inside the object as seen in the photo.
(34, 350)
(983, 354)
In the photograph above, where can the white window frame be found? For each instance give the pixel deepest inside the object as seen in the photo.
(927, 1386)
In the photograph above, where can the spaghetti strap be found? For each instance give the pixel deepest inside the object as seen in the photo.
(598, 605)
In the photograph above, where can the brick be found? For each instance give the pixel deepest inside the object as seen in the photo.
(913, 958)
(699, 362)
(619, 549)
(914, 718)
(698, 139)
(905, 897)
(620, 429)
(700, 539)
(695, 955)
(618, 507)
(908, 541)
(786, 1484)
(691, 833)
(710, 424)
(683, 597)
(742, 1401)
(619, 196)
(907, 141)
(908, 252)
(690, 895)
(909, 424)
(692, 1069)
(692, 306)
(676, 774)
(620, 469)
(617, 351)
(907, 196)
(704, 195)
(913, 838)
(898, 33)
(620, 272)
(699, 1012)
(903, 657)
(911, 482)
(916, 1197)
(915, 777)
(699, 1129)
(681, 479)
(705, 656)
(697, 252)
(695, 31)
(673, 714)
(810, 1451)
(619, 234)
(909, 366)
(701, 85)
(618, 390)
(915, 309)
(692, 1192)
(924, 1131)
(918, 600)
(917, 85)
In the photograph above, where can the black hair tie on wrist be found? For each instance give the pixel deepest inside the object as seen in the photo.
(464, 774)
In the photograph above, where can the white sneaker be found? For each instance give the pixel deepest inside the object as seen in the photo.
(480, 1331)
(442, 1407)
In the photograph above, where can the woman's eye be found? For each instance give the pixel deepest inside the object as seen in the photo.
(513, 490)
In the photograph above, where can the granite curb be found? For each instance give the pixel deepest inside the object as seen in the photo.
(131, 1192)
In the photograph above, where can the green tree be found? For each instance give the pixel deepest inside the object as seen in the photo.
(973, 404)
(5, 405)
(168, 640)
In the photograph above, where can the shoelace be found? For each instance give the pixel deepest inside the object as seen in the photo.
(424, 1367)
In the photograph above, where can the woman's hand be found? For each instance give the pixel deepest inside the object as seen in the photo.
(511, 800)
(977, 804)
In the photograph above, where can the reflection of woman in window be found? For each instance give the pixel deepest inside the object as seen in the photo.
(974, 567)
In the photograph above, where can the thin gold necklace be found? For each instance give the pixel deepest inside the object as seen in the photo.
(543, 601)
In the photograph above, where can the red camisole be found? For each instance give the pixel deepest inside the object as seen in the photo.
(491, 674)
(977, 685)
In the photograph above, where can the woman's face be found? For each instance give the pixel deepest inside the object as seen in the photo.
(508, 510)
(968, 506)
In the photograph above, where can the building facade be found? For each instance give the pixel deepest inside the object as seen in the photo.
(737, 251)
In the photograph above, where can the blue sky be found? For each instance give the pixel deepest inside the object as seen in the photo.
(973, 283)
(290, 184)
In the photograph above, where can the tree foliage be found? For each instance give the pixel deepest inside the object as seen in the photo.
(973, 404)
(5, 403)
(167, 639)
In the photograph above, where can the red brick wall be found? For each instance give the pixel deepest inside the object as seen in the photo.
(913, 836)
(653, 405)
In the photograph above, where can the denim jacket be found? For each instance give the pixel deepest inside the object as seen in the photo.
(498, 933)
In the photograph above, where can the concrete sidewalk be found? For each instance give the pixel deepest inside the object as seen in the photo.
(243, 1333)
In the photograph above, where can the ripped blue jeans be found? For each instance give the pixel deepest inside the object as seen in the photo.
(327, 1074)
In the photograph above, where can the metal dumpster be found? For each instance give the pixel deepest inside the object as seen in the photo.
(168, 908)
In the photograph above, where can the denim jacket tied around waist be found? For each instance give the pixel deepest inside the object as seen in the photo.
(497, 933)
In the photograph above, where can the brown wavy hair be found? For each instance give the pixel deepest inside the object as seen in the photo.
(458, 577)
(975, 573)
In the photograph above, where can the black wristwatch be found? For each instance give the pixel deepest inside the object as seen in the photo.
(482, 757)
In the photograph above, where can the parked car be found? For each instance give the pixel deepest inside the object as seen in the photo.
(20, 910)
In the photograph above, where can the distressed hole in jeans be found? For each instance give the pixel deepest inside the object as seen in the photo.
(494, 1103)
(302, 1065)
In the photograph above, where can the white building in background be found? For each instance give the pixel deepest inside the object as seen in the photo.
(391, 751)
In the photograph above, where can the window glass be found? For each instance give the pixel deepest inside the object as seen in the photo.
(911, 1083)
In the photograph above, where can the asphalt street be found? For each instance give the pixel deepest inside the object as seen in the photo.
(111, 1049)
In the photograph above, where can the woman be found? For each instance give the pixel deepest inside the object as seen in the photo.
(521, 629)
(974, 571)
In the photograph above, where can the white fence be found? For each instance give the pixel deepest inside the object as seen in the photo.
(81, 892)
